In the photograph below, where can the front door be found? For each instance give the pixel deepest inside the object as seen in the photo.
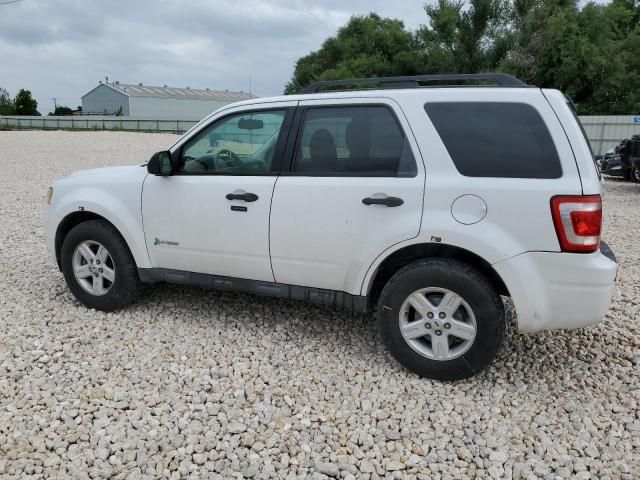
(212, 215)
(355, 189)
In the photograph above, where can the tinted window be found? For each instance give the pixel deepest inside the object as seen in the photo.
(358, 141)
(496, 139)
(242, 143)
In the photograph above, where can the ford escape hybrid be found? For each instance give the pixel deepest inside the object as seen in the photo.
(426, 199)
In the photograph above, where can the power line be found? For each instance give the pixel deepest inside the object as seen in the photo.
(9, 1)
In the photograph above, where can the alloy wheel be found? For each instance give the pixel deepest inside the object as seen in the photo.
(437, 323)
(93, 267)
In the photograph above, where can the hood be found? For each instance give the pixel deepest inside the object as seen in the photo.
(124, 170)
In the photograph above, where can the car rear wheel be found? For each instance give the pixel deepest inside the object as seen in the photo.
(441, 319)
(635, 174)
(98, 266)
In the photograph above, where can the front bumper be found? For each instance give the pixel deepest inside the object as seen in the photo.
(559, 290)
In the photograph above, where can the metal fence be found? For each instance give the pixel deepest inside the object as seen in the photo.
(96, 123)
(604, 132)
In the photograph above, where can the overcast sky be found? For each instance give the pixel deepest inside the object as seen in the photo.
(62, 48)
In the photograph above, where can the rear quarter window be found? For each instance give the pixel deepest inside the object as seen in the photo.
(496, 139)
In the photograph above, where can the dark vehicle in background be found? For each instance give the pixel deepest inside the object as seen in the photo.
(623, 160)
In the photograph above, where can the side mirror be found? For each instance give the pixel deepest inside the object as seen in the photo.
(160, 164)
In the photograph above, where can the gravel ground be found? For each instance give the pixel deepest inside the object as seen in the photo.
(201, 384)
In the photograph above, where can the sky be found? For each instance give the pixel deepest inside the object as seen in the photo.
(63, 48)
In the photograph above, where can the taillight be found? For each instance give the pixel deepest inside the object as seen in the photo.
(578, 222)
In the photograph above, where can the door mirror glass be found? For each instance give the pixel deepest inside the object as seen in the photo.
(160, 164)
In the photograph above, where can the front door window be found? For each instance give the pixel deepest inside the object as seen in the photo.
(239, 144)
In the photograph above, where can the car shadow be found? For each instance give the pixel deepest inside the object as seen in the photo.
(528, 360)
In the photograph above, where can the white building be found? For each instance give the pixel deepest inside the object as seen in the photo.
(156, 103)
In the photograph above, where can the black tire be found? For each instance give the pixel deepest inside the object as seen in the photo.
(126, 287)
(461, 279)
(634, 174)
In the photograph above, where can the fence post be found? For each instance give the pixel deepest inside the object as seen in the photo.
(158, 126)
(138, 125)
(601, 138)
(103, 124)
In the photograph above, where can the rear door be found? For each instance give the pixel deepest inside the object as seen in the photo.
(354, 188)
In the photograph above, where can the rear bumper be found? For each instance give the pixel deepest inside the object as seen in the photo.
(559, 290)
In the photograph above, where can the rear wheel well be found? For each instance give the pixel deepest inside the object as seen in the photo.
(70, 221)
(411, 253)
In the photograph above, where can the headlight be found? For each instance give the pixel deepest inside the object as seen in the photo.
(49, 195)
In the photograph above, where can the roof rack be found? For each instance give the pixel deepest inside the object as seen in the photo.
(417, 81)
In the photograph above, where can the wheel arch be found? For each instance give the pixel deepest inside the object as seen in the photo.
(72, 220)
(410, 253)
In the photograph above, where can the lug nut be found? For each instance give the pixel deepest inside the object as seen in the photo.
(427, 326)
(100, 270)
(442, 315)
(446, 325)
(438, 332)
(97, 262)
(430, 314)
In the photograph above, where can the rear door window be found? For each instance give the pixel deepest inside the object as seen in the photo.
(496, 139)
(364, 141)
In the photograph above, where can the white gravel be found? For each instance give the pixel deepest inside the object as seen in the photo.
(190, 382)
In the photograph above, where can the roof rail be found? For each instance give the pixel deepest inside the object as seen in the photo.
(417, 81)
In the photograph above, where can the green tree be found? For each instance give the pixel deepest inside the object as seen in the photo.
(367, 46)
(462, 38)
(25, 104)
(62, 110)
(589, 51)
(6, 104)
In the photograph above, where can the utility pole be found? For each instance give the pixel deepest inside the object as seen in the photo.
(55, 104)
(249, 85)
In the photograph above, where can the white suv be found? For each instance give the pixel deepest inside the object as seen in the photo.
(424, 198)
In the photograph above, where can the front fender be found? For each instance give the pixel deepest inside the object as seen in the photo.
(120, 208)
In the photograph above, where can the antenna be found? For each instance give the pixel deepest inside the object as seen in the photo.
(249, 85)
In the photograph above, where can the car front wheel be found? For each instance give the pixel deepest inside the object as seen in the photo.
(441, 319)
(98, 266)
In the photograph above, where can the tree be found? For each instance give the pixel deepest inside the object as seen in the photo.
(367, 46)
(464, 39)
(25, 104)
(62, 110)
(589, 51)
(6, 104)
